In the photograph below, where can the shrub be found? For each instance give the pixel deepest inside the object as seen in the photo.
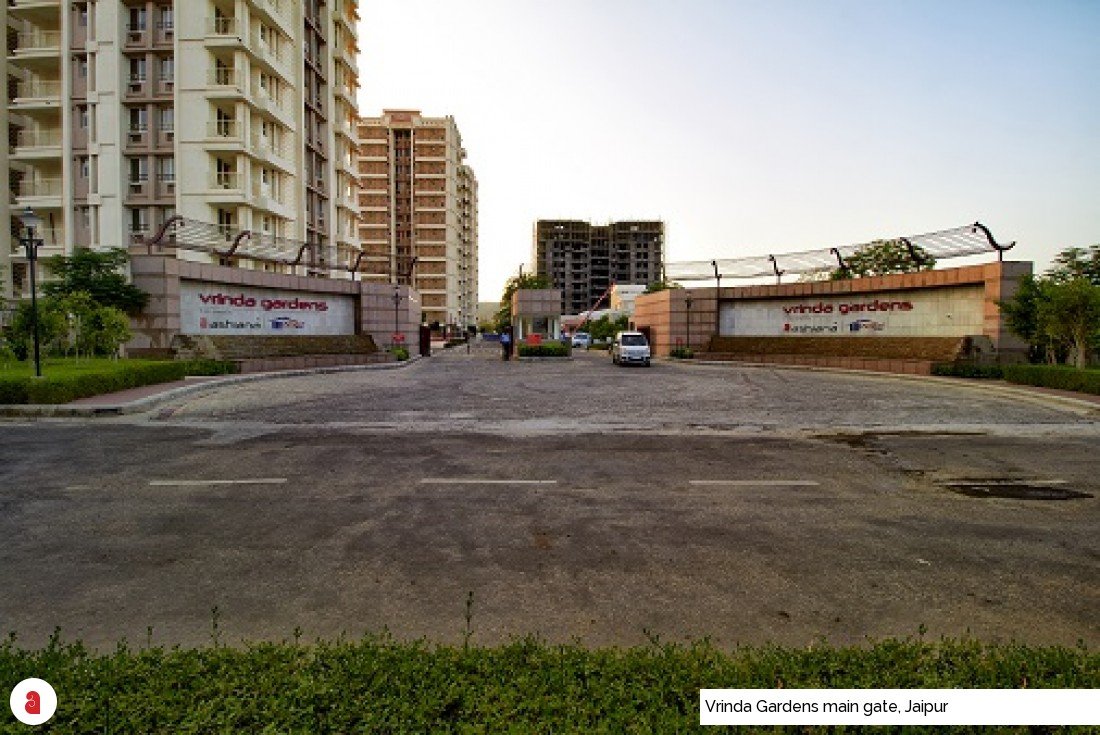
(967, 370)
(1062, 377)
(112, 377)
(546, 349)
(682, 353)
(400, 353)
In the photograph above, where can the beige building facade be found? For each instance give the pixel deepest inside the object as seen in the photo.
(240, 113)
(418, 200)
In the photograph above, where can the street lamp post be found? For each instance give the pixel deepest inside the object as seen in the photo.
(396, 304)
(717, 296)
(689, 323)
(30, 222)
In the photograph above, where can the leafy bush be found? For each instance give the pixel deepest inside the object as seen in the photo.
(104, 378)
(1062, 377)
(400, 353)
(546, 349)
(681, 353)
(967, 370)
(378, 685)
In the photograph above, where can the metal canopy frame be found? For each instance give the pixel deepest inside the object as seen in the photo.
(973, 239)
(205, 237)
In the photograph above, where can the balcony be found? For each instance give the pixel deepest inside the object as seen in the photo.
(37, 144)
(36, 42)
(51, 237)
(35, 93)
(226, 82)
(224, 28)
(224, 135)
(230, 182)
(45, 188)
(271, 151)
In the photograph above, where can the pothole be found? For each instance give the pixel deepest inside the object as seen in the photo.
(1014, 489)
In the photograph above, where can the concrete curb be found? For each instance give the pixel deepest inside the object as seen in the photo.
(140, 405)
(1009, 390)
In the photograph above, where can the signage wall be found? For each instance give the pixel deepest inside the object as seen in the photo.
(934, 312)
(218, 308)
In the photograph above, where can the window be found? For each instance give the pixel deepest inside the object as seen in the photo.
(82, 67)
(85, 166)
(167, 21)
(166, 169)
(137, 70)
(82, 16)
(82, 114)
(139, 220)
(139, 170)
(138, 120)
(167, 68)
(166, 119)
(137, 19)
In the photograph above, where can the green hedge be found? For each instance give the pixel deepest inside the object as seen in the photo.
(681, 353)
(122, 375)
(378, 685)
(400, 353)
(546, 349)
(967, 370)
(1063, 377)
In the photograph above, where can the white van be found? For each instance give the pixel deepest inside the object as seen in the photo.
(630, 347)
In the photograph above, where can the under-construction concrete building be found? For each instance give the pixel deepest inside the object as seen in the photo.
(583, 259)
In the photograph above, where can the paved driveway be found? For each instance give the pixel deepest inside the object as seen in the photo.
(574, 500)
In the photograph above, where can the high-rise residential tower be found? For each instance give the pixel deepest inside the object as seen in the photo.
(419, 212)
(240, 113)
(583, 259)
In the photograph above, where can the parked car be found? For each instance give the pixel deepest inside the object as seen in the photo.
(630, 347)
(581, 339)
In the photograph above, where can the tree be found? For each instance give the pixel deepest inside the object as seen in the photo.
(661, 286)
(605, 327)
(1059, 313)
(883, 257)
(1070, 313)
(96, 274)
(20, 333)
(503, 318)
(1074, 263)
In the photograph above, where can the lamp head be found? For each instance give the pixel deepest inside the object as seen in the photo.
(30, 220)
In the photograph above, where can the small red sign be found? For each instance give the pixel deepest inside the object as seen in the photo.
(398, 337)
(534, 339)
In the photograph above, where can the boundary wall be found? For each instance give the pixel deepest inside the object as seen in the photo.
(668, 321)
(158, 329)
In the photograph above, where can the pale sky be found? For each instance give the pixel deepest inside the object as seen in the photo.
(757, 127)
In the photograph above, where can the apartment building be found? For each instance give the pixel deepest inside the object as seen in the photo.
(419, 212)
(583, 259)
(239, 113)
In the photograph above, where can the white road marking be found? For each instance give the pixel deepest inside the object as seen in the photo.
(200, 483)
(474, 481)
(923, 561)
(79, 487)
(757, 483)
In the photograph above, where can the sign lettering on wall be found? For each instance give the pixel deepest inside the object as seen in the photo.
(941, 312)
(218, 308)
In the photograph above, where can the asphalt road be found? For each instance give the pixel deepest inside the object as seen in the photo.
(574, 500)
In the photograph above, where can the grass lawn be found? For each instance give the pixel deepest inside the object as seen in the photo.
(384, 686)
(67, 379)
(63, 367)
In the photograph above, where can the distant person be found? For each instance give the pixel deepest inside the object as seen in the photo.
(505, 345)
